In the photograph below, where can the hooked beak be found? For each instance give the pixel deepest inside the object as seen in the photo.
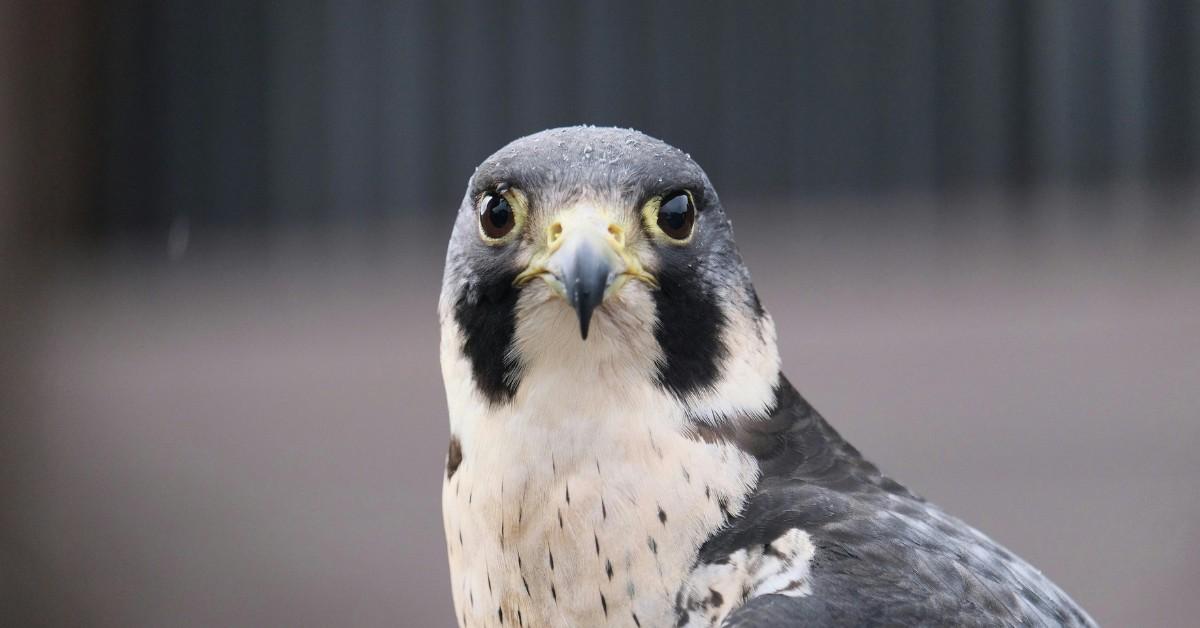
(586, 270)
(585, 261)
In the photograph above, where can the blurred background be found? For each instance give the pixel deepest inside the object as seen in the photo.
(222, 226)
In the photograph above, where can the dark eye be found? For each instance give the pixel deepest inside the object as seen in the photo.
(495, 216)
(676, 215)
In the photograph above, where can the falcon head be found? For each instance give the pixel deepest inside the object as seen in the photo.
(602, 254)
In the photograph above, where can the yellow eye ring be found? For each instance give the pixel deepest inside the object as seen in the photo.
(671, 218)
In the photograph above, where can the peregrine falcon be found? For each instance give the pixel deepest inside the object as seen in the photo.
(624, 449)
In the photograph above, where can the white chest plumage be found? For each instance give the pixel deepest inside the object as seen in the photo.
(583, 499)
(549, 526)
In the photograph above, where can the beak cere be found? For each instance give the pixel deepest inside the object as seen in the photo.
(586, 273)
(585, 260)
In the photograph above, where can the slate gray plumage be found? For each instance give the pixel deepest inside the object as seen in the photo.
(884, 555)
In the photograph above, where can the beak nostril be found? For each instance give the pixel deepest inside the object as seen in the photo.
(617, 233)
(554, 232)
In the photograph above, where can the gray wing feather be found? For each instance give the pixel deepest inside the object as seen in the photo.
(884, 556)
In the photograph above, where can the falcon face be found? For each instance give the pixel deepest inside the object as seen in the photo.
(624, 448)
(602, 247)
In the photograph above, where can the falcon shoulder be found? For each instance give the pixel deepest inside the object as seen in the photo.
(826, 540)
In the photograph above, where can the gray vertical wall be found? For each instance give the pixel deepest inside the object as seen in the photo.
(259, 113)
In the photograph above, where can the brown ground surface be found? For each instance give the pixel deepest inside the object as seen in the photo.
(254, 434)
